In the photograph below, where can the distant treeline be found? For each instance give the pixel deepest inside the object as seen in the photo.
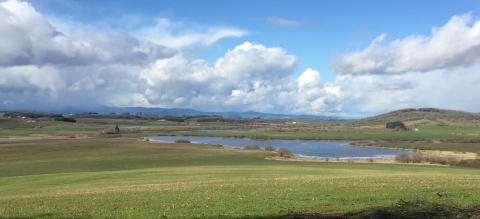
(114, 116)
(37, 115)
(221, 119)
(30, 114)
(392, 125)
(126, 115)
(183, 118)
(64, 119)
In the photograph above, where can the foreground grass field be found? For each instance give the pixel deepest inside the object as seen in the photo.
(128, 178)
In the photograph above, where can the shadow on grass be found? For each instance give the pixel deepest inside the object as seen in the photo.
(412, 209)
(47, 215)
(415, 208)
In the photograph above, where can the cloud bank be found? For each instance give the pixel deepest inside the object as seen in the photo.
(44, 68)
(455, 44)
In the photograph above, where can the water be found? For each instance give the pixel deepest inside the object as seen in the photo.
(321, 149)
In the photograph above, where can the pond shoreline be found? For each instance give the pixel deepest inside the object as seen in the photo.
(262, 137)
(318, 149)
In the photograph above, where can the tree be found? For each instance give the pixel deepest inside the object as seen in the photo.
(117, 130)
(392, 125)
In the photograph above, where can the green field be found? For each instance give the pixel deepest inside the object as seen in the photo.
(434, 133)
(129, 178)
(74, 170)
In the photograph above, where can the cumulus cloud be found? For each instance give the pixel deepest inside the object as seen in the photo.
(446, 89)
(42, 67)
(455, 44)
(278, 21)
(235, 78)
(29, 39)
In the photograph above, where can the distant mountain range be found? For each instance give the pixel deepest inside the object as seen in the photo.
(181, 112)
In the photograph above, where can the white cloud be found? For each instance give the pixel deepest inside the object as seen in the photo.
(236, 78)
(446, 89)
(41, 67)
(455, 44)
(183, 34)
(278, 21)
(29, 39)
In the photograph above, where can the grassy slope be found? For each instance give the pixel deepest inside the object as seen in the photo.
(127, 178)
(412, 115)
(426, 132)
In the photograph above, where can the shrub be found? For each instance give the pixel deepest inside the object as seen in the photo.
(248, 147)
(433, 159)
(417, 157)
(256, 147)
(402, 158)
(327, 159)
(474, 163)
(394, 125)
(283, 152)
(451, 160)
(182, 141)
(269, 148)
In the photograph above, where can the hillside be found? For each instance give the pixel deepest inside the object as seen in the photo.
(405, 115)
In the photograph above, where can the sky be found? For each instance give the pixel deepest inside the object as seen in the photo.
(339, 58)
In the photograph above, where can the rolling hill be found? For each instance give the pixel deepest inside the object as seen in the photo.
(433, 114)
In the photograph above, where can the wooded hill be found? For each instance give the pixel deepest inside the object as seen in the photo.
(405, 115)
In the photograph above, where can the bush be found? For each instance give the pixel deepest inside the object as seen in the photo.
(269, 148)
(252, 147)
(248, 147)
(283, 152)
(474, 163)
(394, 125)
(402, 158)
(182, 141)
(436, 160)
(452, 161)
(417, 157)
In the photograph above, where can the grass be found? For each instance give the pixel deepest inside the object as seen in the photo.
(126, 177)
(27, 157)
(220, 192)
(129, 178)
(377, 134)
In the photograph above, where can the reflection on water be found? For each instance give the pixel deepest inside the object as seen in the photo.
(330, 149)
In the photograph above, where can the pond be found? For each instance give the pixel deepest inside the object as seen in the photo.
(321, 149)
